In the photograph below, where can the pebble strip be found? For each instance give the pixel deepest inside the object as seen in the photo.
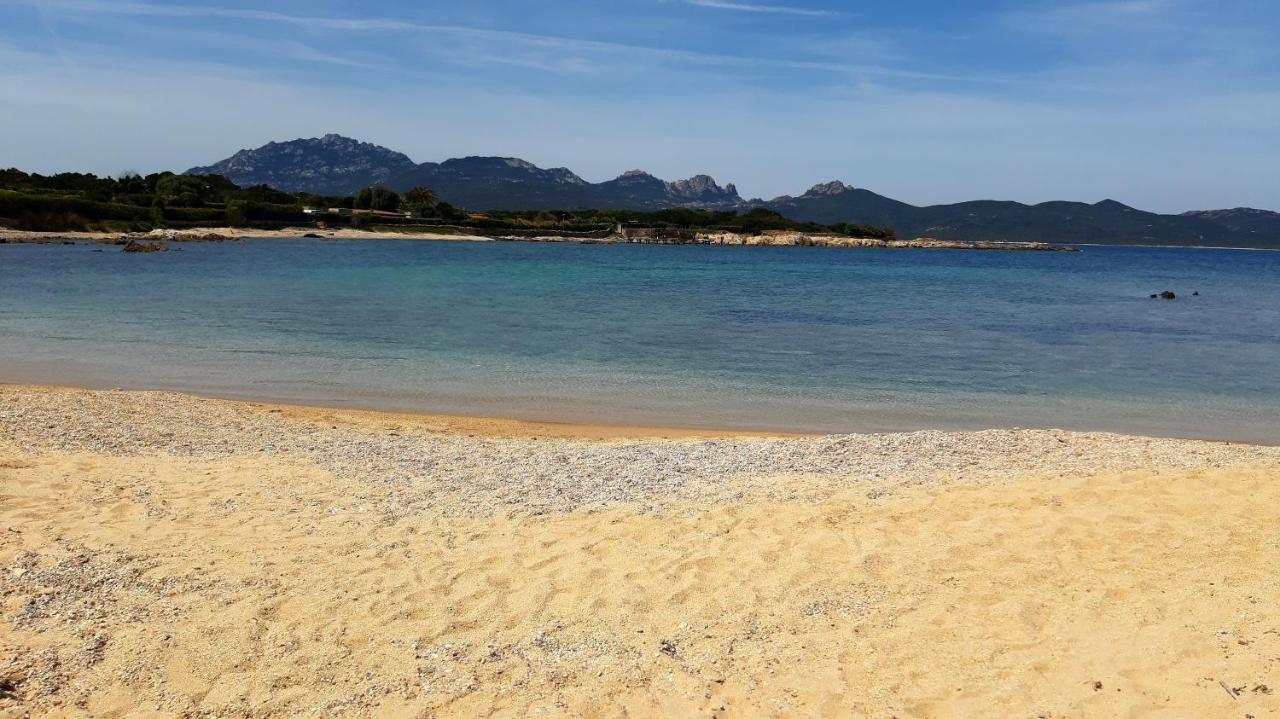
(412, 471)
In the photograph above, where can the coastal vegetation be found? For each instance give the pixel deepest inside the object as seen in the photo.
(132, 202)
(135, 203)
(755, 220)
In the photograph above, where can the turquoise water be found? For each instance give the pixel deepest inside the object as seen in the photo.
(777, 338)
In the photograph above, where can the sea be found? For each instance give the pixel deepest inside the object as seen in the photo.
(767, 338)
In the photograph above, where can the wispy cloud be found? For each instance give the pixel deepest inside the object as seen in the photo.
(1096, 16)
(502, 42)
(769, 9)
(1156, 46)
(50, 27)
(305, 53)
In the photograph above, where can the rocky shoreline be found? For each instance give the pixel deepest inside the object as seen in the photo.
(796, 239)
(157, 240)
(123, 239)
(799, 239)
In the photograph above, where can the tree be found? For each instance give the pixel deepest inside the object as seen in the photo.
(377, 198)
(420, 201)
(385, 200)
(450, 213)
(131, 183)
(759, 219)
(420, 196)
(853, 229)
(235, 214)
(265, 193)
(157, 212)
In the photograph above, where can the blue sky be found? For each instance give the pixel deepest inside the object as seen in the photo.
(1168, 105)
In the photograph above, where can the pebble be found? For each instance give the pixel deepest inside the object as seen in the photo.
(460, 474)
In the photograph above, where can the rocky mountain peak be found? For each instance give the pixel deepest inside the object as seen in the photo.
(697, 185)
(565, 175)
(331, 164)
(835, 187)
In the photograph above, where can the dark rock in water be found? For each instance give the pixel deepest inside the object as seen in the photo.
(1167, 295)
(1195, 294)
(313, 236)
(1154, 296)
(135, 246)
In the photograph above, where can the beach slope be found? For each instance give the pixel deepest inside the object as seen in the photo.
(165, 555)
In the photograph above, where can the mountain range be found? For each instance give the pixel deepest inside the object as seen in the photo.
(337, 165)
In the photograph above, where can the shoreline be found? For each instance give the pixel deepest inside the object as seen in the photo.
(144, 422)
(434, 422)
(159, 239)
(567, 424)
(1179, 247)
(227, 234)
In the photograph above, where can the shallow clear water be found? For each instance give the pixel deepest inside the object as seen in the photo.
(780, 338)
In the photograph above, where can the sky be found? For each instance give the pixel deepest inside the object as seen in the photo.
(1167, 105)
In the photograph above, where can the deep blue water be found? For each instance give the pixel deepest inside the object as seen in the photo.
(783, 338)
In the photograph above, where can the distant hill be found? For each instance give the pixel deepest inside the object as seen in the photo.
(329, 165)
(336, 165)
(1244, 221)
(1106, 222)
(491, 182)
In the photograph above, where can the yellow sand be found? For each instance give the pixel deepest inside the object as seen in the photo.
(264, 590)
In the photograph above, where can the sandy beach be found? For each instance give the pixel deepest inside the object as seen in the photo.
(168, 555)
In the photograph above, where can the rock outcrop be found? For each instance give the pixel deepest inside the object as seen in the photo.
(646, 236)
(801, 239)
(136, 246)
